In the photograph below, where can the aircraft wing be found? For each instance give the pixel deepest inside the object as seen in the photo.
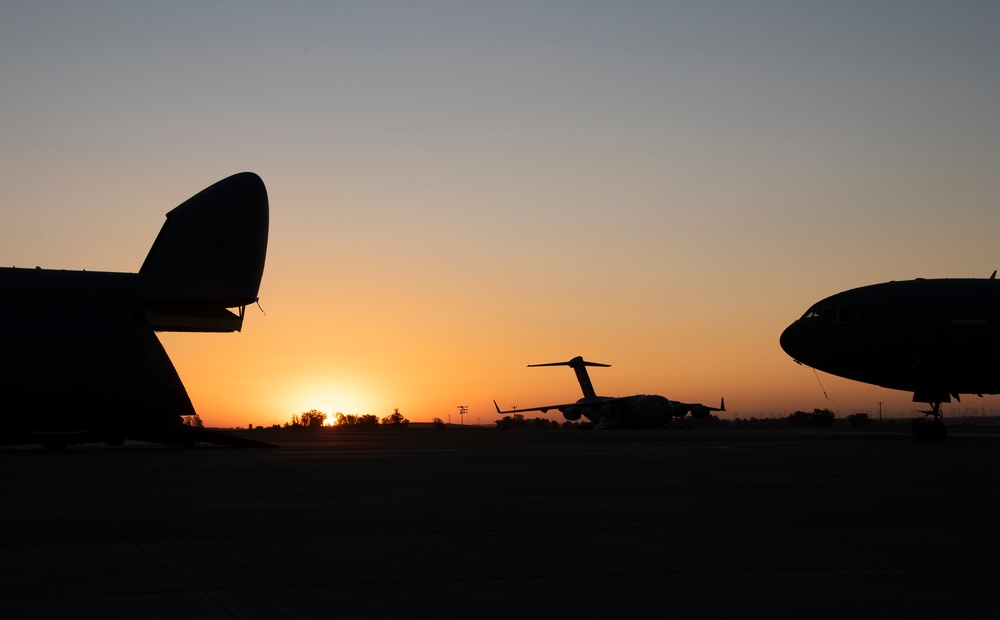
(546, 408)
(697, 410)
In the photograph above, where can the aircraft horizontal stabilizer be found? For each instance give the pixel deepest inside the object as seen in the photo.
(577, 361)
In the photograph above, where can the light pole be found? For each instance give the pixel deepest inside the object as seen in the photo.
(462, 410)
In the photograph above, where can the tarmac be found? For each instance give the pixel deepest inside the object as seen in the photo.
(479, 523)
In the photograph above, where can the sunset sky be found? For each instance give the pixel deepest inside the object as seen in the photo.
(460, 189)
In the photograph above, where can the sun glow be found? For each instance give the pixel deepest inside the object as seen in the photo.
(330, 399)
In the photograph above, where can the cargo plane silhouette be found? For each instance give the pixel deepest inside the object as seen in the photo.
(638, 411)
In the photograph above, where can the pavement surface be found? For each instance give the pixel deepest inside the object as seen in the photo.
(487, 524)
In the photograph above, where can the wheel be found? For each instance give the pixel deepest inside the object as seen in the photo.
(933, 430)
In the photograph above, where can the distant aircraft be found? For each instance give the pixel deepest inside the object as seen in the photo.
(81, 362)
(639, 411)
(935, 338)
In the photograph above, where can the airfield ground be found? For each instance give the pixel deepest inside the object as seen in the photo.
(478, 523)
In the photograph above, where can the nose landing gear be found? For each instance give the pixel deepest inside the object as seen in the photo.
(930, 427)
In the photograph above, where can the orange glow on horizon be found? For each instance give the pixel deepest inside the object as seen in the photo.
(667, 209)
(328, 399)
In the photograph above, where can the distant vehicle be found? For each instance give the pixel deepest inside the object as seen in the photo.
(80, 357)
(639, 411)
(936, 338)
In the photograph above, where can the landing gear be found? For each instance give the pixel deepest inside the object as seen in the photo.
(930, 427)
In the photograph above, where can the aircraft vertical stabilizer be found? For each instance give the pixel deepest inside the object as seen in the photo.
(208, 256)
(81, 360)
(579, 365)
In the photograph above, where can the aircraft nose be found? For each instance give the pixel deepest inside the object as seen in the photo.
(788, 340)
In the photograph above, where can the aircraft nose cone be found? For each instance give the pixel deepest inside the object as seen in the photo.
(788, 340)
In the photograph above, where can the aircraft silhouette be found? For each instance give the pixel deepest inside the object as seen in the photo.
(936, 338)
(81, 360)
(638, 411)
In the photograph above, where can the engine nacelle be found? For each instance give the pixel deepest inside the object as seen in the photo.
(572, 413)
(700, 413)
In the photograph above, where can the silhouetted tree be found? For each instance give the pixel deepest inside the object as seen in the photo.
(818, 417)
(395, 419)
(507, 421)
(438, 423)
(353, 420)
(345, 421)
(312, 418)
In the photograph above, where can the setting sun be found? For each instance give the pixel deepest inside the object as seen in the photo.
(330, 399)
(448, 204)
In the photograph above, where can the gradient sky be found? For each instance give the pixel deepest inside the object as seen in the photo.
(460, 189)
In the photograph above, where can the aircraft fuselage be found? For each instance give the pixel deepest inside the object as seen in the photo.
(639, 411)
(935, 338)
(81, 358)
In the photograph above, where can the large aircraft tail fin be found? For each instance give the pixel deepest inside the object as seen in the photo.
(208, 256)
(580, 366)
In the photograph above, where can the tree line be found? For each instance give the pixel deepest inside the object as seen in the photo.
(316, 419)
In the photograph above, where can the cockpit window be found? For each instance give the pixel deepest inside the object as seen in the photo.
(840, 314)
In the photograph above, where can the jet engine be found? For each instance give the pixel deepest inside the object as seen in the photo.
(700, 413)
(572, 413)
